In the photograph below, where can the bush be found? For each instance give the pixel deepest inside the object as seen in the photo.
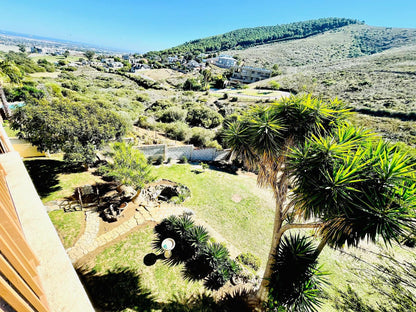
(159, 160)
(214, 144)
(201, 116)
(204, 165)
(274, 85)
(129, 166)
(183, 159)
(173, 114)
(295, 282)
(200, 136)
(178, 131)
(250, 260)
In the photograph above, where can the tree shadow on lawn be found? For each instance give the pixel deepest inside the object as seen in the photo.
(120, 288)
(44, 174)
(117, 289)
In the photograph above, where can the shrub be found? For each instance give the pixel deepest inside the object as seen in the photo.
(200, 136)
(183, 159)
(250, 260)
(201, 116)
(214, 144)
(295, 282)
(173, 114)
(274, 85)
(159, 160)
(129, 166)
(178, 131)
(202, 260)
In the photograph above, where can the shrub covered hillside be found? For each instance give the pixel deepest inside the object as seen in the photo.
(247, 37)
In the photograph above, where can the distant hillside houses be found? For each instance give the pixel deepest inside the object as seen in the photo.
(225, 61)
(248, 74)
(111, 63)
(43, 50)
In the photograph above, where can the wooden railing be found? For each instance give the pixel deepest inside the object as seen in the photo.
(19, 282)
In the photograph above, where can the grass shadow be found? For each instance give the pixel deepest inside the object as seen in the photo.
(116, 290)
(44, 174)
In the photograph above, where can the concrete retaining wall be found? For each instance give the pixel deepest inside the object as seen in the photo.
(189, 151)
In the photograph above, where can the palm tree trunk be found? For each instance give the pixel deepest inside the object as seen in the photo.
(280, 192)
(321, 246)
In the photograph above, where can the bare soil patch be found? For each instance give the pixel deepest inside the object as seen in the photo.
(236, 198)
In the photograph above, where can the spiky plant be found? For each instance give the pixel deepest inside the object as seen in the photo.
(235, 301)
(295, 281)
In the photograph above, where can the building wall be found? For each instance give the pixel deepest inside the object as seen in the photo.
(30, 246)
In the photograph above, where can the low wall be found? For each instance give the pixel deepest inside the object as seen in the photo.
(189, 151)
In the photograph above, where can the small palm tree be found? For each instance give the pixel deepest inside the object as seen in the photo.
(295, 282)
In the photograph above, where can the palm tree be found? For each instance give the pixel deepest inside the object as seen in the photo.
(358, 188)
(350, 186)
(296, 281)
(263, 138)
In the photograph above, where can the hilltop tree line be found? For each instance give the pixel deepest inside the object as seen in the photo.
(247, 37)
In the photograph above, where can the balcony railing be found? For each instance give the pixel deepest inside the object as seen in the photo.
(19, 282)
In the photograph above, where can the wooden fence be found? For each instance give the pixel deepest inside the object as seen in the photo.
(19, 282)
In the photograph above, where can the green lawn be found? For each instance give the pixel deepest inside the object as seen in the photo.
(68, 225)
(163, 281)
(246, 224)
(54, 180)
(243, 214)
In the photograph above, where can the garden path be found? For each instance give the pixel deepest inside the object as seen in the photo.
(90, 240)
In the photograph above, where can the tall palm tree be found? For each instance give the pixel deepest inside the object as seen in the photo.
(263, 138)
(349, 185)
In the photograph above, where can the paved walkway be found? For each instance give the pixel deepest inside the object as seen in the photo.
(89, 241)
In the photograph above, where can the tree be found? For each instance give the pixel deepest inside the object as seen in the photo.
(11, 71)
(66, 54)
(366, 188)
(77, 129)
(266, 136)
(276, 70)
(128, 166)
(22, 48)
(89, 55)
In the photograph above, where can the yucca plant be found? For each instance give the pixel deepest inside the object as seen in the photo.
(295, 281)
(178, 228)
(236, 300)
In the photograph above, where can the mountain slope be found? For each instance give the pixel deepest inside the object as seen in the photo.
(343, 43)
(246, 37)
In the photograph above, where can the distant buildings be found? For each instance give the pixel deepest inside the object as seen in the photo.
(226, 61)
(248, 74)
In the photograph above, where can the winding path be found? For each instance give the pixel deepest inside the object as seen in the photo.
(89, 241)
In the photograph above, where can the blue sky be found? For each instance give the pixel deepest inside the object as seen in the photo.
(141, 26)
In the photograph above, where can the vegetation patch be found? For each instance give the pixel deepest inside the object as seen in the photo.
(69, 225)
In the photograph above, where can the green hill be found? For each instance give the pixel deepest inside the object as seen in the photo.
(248, 37)
(342, 43)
